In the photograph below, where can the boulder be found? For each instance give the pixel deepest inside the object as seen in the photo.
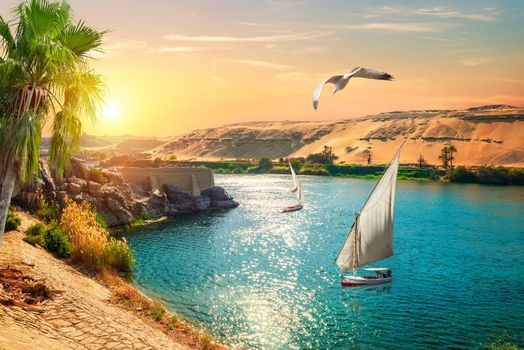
(224, 204)
(79, 168)
(113, 204)
(159, 200)
(94, 188)
(49, 182)
(219, 198)
(113, 177)
(74, 188)
(216, 193)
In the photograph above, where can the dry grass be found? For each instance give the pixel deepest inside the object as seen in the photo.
(91, 242)
(155, 314)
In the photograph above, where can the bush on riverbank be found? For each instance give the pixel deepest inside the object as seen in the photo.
(12, 222)
(488, 175)
(91, 243)
(50, 237)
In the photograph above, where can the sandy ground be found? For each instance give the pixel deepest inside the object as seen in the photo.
(78, 317)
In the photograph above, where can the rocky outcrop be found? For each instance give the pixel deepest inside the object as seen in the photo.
(215, 197)
(114, 199)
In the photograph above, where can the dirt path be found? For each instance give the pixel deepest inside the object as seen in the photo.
(78, 317)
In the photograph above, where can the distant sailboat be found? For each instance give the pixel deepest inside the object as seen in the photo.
(371, 236)
(297, 188)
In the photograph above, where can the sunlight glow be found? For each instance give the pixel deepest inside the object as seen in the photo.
(111, 110)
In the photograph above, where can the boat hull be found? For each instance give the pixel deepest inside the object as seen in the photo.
(292, 208)
(356, 281)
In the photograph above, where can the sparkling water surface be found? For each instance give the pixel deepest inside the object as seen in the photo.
(256, 278)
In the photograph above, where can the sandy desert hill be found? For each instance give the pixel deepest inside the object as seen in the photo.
(487, 135)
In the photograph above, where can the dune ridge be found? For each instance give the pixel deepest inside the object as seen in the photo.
(485, 135)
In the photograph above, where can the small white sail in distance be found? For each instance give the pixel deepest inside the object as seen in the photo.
(295, 180)
(373, 227)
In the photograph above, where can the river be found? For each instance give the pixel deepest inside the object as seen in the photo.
(257, 278)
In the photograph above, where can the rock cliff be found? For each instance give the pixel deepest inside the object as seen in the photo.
(114, 199)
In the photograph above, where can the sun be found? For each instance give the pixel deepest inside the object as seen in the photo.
(111, 110)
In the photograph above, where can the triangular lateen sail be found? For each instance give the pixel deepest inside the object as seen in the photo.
(295, 179)
(374, 224)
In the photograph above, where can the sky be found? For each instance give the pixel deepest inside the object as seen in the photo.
(174, 66)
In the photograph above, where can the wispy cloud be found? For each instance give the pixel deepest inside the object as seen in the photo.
(437, 39)
(115, 47)
(175, 49)
(486, 14)
(475, 61)
(394, 27)
(249, 39)
(182, 49)
(262, 64)
(489, 14)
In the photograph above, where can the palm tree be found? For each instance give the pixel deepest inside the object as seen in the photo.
(451, 150)
(444, 157)
(44, 75)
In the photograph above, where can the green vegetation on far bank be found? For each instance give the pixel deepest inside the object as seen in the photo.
(488, 175)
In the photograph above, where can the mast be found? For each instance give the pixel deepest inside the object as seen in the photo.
(355, 256)
(372, 227)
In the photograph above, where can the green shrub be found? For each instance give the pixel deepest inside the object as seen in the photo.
(35, 234)
(158, 311)
(56, 241)
(48, 211)
(117, 256)
(265, 164)
(461, 174)
(12, 222)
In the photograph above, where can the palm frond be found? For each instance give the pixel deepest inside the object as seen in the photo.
(26, 138)
(81, 39)
(7, 42)
(65, 141)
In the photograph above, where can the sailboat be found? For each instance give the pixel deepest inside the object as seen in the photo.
(297, 188)
(371, 236)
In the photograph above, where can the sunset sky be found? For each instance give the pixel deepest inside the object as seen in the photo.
(174, 66)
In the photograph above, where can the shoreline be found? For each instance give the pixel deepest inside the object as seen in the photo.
(83, 310)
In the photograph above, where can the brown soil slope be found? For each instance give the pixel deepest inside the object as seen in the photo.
(483, 135)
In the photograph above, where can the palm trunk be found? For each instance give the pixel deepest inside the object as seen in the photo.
(8, 185)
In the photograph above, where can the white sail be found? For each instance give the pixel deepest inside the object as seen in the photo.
(300, 193)
(371, 236)
(295, 180)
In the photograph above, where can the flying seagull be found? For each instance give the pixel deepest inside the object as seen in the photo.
(340, 81)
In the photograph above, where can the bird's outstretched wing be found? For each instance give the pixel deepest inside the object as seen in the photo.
(316, 94)
(370, 73)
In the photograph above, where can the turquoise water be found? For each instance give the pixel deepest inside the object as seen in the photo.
(257, 278)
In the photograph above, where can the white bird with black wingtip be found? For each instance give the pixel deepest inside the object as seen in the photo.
(340, 81)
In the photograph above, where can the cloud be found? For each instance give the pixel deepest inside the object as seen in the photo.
(394, 27)
(490, 14)
(175, 49)
(475, 61)
(437, 39)
(114, 47)
(262, 64)
(486, 14)
(249, 39)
